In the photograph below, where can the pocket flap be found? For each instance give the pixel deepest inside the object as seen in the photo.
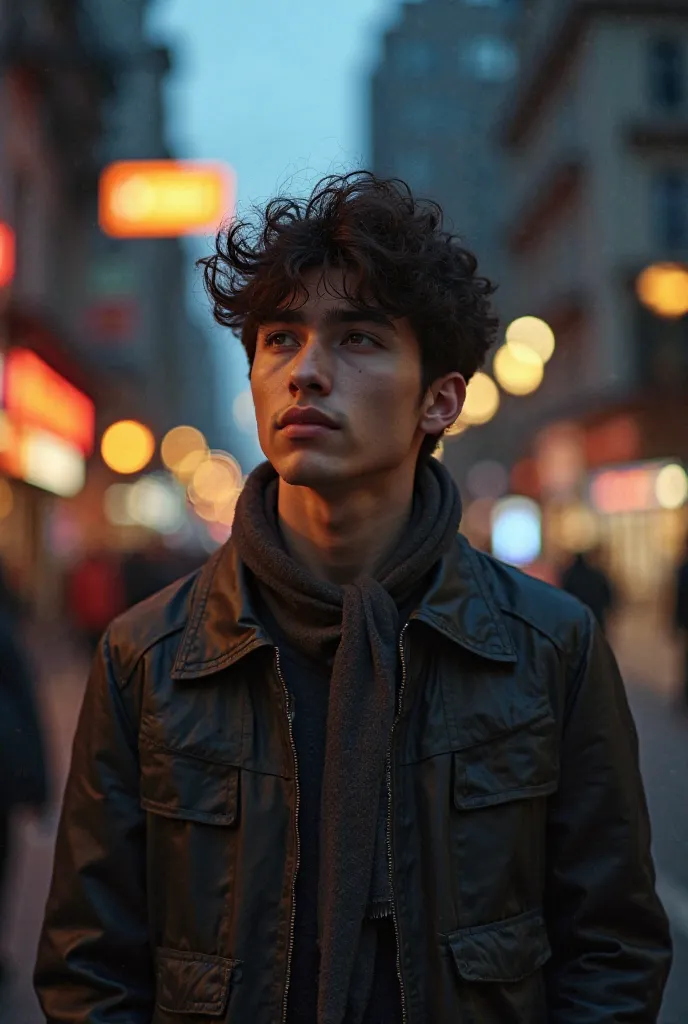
(193, 982)
(518, 765)
(504, 951)
(176, 786)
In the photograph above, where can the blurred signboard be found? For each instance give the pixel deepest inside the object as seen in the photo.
(7, 255)
(36, 396)
(639, 487)
(164, 198)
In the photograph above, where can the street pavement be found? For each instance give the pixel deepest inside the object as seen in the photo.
(663, 730)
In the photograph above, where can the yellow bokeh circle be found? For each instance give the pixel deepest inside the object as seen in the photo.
(482, 401)
(127, 447)
(518, 369)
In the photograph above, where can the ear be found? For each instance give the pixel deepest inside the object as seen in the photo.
(442, 403)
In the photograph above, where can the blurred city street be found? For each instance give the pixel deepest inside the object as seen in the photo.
(552, 134)
(663, 728)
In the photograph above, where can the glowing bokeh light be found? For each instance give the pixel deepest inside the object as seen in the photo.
(164, 198)
(671, 486)
(53, 464)
(482, 400)
(532, 333)
(127, 447)
(518, 369)
(516, 530)
(181, 443)
(663, 289)
(154, 502)
(216, 479)
(7, 254)
(115, 501)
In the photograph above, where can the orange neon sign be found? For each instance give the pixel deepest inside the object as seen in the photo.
(164, 198)
(38, 396)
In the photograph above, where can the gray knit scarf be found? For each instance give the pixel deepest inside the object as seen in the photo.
(355, 628)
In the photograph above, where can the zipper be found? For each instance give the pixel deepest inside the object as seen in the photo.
(390, 860)
(289, 706)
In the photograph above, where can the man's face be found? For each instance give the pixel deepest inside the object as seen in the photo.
(360, 371)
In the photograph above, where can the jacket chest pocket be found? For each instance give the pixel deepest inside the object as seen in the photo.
(499, 792)
(191, 842)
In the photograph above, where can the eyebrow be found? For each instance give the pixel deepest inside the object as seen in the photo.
(332, 316)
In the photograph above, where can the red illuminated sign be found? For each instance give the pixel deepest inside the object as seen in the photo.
(7, 255)
(37, 396)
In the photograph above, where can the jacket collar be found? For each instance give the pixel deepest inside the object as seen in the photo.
(223, 624)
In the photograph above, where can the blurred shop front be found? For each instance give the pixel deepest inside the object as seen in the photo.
(615, 482)
(47, 433)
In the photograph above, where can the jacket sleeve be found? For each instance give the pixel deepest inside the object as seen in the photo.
(94, 961)
(608, 930)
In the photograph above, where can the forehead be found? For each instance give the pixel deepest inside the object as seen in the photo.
(321, 292)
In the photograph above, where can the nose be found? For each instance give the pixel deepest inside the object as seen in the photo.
(311, 370)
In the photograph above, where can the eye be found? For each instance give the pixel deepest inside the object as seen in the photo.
(280, 340)
(359, 339)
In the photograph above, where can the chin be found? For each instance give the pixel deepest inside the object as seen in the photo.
(310, 469)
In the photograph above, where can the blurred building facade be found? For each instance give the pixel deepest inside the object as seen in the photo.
(596, 158)
(443, 73)
(92, 330)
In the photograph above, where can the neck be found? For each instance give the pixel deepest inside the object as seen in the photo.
(341, 536)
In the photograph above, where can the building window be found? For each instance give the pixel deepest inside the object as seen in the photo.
(671, 210)
(667, 73)
(490, 59)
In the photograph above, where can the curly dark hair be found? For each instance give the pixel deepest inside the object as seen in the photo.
(394, 250)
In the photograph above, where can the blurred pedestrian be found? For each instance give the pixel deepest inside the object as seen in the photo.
(23, 776)
(353, 770)
(681, 614)
(585, 579)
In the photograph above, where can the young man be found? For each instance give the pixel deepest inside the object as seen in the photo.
(354, 771)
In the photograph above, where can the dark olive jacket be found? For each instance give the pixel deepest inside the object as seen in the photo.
(519, 839)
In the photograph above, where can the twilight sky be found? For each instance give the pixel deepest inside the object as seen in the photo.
(276, 89)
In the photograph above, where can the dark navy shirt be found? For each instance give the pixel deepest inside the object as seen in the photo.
(308, 684)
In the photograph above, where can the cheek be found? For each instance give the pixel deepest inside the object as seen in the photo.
(390, 405)
(265, 398)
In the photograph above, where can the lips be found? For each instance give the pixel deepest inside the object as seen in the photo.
(306, 416)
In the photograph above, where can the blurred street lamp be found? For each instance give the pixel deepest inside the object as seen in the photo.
(164, 198)
(127, 447)
(7, 255)
(663, 289)
(482, 402)
(518, 369)
(533, 333)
